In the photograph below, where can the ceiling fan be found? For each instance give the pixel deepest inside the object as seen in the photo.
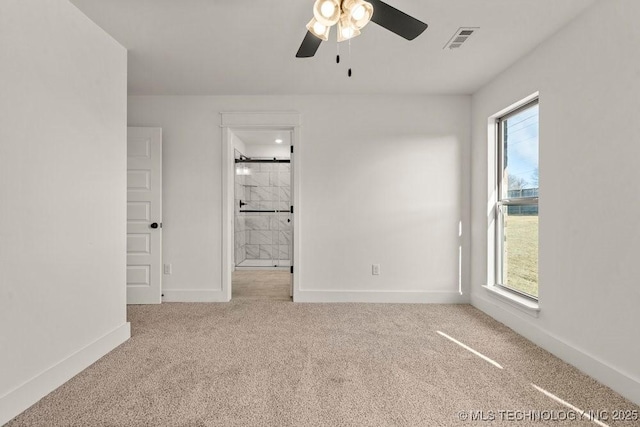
(351, 16)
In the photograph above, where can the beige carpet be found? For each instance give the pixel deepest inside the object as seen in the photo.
(269, 362)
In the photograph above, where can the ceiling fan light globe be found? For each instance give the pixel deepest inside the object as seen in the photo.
(346, 30)
(327, 12)
(327, 9)
(318, 29)
(359, 12)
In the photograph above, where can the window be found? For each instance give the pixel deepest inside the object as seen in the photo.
(517, 201)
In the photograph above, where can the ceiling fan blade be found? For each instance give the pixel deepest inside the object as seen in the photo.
(309, 46)
(396, 21)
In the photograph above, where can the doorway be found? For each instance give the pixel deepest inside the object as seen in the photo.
(260, 190)
(262, 196)
(262, 215)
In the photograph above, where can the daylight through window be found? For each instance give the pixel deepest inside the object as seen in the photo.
(517, 204)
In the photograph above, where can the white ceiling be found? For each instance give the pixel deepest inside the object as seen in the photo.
(247, 47)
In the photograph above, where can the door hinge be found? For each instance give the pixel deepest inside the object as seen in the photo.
(292, 148)
(291, 210)
(291, 269)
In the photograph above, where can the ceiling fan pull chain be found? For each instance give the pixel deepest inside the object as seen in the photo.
(349, 71)
(337, 53)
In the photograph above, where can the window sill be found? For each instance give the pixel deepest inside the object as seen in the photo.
(521, 303)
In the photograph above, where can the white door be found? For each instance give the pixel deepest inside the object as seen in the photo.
(144, 215)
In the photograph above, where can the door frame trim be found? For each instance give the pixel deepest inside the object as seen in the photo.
(229, 122)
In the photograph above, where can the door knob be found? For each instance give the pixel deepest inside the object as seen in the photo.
(154, 225)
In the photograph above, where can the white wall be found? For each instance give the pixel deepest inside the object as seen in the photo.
(238, 144)
(588, 76)
(62, 197)
(381, 182)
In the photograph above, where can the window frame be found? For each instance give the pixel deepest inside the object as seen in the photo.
(502, 201)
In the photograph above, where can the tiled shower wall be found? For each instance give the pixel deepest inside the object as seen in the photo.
(264, 236)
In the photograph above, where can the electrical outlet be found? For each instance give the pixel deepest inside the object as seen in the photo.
(375, 269)
(167, 269)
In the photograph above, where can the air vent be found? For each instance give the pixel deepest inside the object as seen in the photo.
(460, 37)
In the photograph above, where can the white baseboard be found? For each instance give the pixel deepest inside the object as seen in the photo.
(622, 383)
(406, 297)
(193, 295)
(199, 295)
(21, 398)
